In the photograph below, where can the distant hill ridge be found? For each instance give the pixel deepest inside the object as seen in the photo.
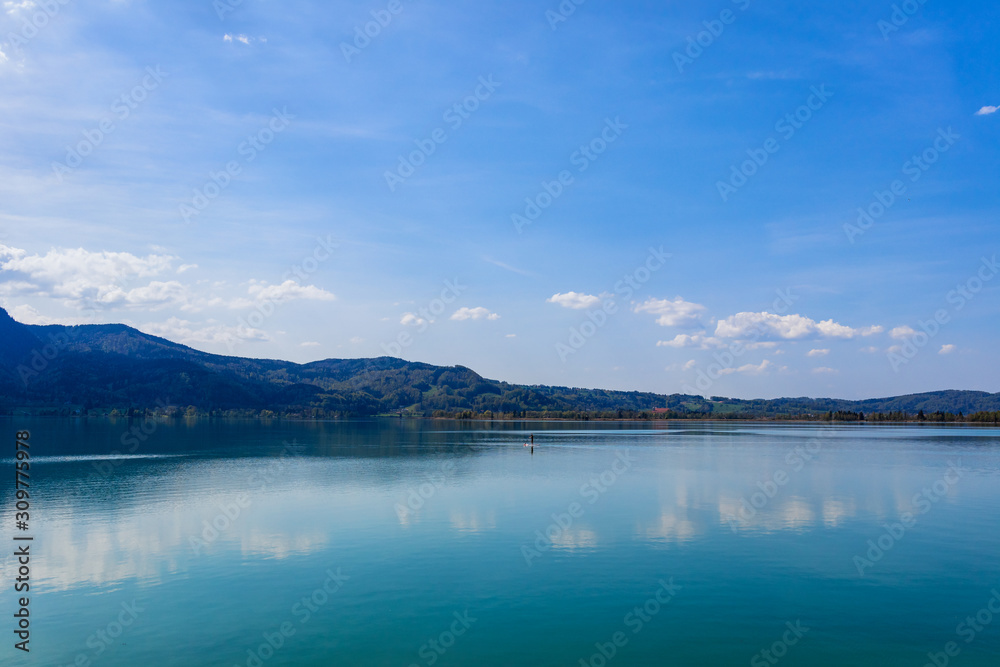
(65, 369)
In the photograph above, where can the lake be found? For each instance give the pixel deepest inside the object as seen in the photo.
(406, 543)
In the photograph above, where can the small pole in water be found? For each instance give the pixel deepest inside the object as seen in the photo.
(532, 438)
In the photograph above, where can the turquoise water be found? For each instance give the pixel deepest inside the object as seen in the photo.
(389, 543)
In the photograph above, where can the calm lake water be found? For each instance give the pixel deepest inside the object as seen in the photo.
(414, 543)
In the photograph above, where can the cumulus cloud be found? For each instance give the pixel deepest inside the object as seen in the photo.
(947, 349)
(79, 275)
(575, 300)
(817, 353)
(986, 111)
(787, 327)
(412, 320)
(676, 313)
(480, 313)
(902, 333)
(289, 290)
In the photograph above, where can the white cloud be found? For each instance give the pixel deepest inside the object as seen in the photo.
(947, 349)
(817, 353)
(288, 291)
(309, 344)
(676, 313)
(183, 331)
(689, 365)
(77, 274)
(788, 327)
(357, 340)
(14, 7)
(511, 336)
(480, 313)
(575, 300)
(243, 39)
(696, 340)
(412, 320)
(871, 349)
(823, 370)
(186, 267)
(902, 333)
(25, 314)
(986, 111)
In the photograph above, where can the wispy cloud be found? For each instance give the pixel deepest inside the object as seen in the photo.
(986, 111)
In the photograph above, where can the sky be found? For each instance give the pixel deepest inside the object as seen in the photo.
(730, 198)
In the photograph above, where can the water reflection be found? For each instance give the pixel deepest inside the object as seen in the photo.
(430, 519)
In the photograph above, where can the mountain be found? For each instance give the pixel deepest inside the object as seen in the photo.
(69, 368)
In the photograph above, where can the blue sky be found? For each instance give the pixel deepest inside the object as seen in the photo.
(234, 193)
